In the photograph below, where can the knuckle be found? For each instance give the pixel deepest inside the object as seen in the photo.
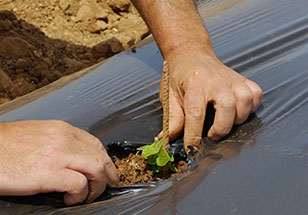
(100, 165)
(108, 163)
(60, 123)
(245, 97)
(221, 131)
(81, 183)
(226, 102)
(258, 93)
(57, 127)
(195, 113)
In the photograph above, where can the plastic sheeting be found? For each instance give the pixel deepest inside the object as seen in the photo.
(260, 168)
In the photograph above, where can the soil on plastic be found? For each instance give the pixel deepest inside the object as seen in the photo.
(43, 40)
(135, 170)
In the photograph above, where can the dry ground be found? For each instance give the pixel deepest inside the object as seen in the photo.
(43, 40)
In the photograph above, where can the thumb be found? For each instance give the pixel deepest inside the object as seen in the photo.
(176, 118)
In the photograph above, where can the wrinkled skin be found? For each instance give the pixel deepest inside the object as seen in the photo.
(53, 156)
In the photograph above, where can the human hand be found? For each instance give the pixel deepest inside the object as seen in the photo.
(53, 156)
(197, 78)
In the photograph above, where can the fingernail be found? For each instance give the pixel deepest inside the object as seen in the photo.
(160, 135)
(192, 149)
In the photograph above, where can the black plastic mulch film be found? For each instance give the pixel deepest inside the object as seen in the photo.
(260, 168)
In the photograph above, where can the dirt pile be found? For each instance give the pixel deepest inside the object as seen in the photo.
(43, 40)
(81, 22)
(134, 169)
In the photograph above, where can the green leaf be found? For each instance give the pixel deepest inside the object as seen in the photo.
(152, 159)
(162, 158)
(158, 145)
(173, 168)
(147, 151)
(172, 158)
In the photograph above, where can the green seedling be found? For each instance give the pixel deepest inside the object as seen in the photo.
(157, 156)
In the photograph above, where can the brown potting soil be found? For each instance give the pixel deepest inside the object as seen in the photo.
(135, 170)
(43, 40)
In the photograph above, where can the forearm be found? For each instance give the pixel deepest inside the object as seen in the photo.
(175, 25)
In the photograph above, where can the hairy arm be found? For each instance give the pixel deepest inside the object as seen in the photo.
(175, 25)
(197, 76)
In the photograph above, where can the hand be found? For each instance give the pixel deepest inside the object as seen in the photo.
(53, 156)
(197, 78)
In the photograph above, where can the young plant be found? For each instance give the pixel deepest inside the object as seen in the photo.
(157, 156)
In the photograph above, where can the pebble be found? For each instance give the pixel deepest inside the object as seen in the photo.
(73, 65)
(15, 47)
(119, 5)
(107, 48)
(64, 5)
(5, 80)
(84, 13)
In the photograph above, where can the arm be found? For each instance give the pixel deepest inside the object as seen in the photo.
(197, 76)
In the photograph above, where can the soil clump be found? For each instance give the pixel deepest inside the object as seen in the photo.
(134, 169)
(43, 40)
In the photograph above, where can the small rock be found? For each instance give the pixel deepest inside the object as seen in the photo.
(102, 49)
(5, 25)
(64, 5)
(102, 25)
(100, 13)
(89, 11)
(22, 87)
(115, 45)
(39, 71)
(98, 26)
(15, 47)
(107, 48)
(21, 63)
(73, 64)
(119, 5)
(85, 13)
(5, 81)
(5, 14)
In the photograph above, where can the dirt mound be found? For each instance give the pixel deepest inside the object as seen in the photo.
(43, 40)
(134, 169)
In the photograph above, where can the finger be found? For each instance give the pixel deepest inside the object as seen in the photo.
(256, 92)
(74, 184)
(112, 176)
(194, 108)
(95, 171)
(111, 171)
(176, 118)
(244, 101)
(224, 103)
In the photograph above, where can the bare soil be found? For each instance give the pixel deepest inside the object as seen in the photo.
(43, 40)
(135, 170)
